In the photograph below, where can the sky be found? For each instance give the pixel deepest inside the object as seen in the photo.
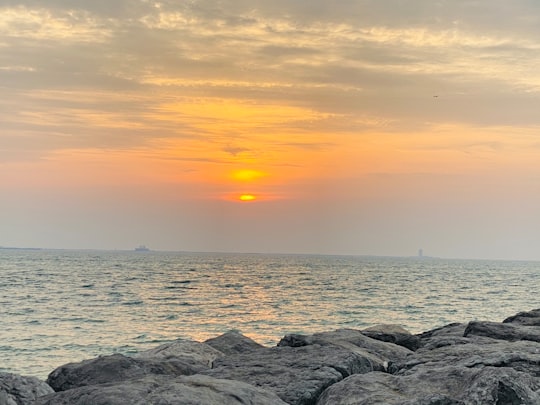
(361, 127)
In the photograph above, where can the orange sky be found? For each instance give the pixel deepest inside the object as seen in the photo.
(358, 128)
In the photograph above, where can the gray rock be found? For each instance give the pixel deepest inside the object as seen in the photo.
(503, 331)
(166, 390)
(501, 385)
(298, 375)
(393, 334)
(117, 367)
(450, 335)
(450, 330)
(449, 385)
(353, 340)
(523, 356)
(383, 389)
(233, 343)
(186, 349)
(20, 390)
(530, 318)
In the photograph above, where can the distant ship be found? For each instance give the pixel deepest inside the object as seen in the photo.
(142, 248)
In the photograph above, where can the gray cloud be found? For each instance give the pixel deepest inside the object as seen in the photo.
(104, 8)
(359, 58)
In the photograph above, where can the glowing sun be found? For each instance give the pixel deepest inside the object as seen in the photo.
(247, 175)
(247, 197)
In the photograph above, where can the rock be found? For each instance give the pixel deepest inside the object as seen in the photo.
(117, 367)
(165, 390)
(503, 331)
(381, 389)
(353, 340)
(450, 330)
(449, 335)
(523, 356)
(393, 334)
(531, 318)
(447, 385)
(186, 349)
(500, 385)
(298, 375)
(233, 343)
(20, 390)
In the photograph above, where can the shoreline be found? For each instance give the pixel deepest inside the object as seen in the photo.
(384, 364)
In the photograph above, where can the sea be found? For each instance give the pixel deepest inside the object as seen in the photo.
(62, 306)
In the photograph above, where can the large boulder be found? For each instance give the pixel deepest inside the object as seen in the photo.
(458, 364)
(523, 356)
(503, 331)
(530, 318)
(117, 367)
(165, 390)
(450, 330)
(20, 390)
(445, 385)
(449, 335)
(233, 343)
(393, 334)
(297, 374)
(197, 352)
(351, 339)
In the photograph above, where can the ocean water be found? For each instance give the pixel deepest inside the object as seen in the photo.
(63, 306)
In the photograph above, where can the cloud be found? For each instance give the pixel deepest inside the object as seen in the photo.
(102, 74)
(235, 150)
(101, 8)
(42, 24)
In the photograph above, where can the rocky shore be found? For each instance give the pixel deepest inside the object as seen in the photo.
(478, 362)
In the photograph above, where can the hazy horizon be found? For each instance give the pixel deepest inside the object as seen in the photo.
(247, 253)
(357, 128)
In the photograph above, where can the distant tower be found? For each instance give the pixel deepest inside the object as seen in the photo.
(420, 253)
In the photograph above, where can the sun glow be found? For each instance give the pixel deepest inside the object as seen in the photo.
(247, 197)
(247, 175)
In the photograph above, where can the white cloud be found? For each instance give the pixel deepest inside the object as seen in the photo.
(43, 24)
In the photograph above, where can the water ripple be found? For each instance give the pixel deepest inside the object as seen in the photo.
(64, 306)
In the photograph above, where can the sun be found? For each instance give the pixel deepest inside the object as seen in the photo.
(247, 175)
(247, 197)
